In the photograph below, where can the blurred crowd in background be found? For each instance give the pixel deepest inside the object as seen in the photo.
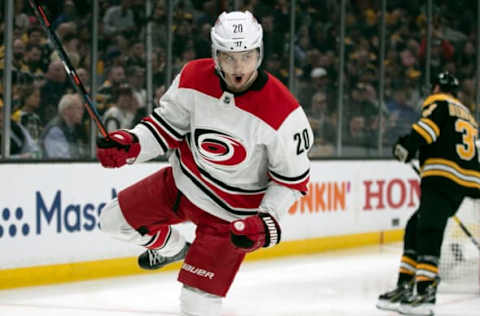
(49, 121)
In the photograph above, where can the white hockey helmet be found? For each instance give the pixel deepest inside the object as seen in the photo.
(236, 32)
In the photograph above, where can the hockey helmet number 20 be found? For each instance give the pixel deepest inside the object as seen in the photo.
(236, 32)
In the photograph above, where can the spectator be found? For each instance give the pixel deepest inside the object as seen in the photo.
(318, 82)
(114, 56)
(116, 76)
(202, 42)
(119, 19)
(71, 45)
(159, 26)
(464, 60)
(401, 115)
(301, 50)
(30, 101)
(323, 125)
(357, 137)
(182, 38)
(136, 56)
(55, 86)
(158, 66)
(467, 94)
(273, 39)
(187, 55)
(36, 36)
(22, 22)
(442, 51)
(84, 77)
(363, 102)
(208, 14)
(69, 14)
(33, 60)
(136, 78)
(62, 138)
(122, 113)
(18, 55)
(66, 29)
(21, 143)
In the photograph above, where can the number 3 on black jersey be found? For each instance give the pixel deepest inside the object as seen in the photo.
(466, 150)
(303, 141)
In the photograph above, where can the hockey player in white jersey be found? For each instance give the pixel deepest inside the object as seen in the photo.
(240, 142)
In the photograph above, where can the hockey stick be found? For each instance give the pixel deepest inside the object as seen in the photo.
(70, 70)
(455, 218)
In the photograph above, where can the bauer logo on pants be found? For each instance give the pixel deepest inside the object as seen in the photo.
(200, 272)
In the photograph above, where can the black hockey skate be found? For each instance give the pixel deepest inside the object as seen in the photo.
(420, 304)
(390, 301)
(152, 260)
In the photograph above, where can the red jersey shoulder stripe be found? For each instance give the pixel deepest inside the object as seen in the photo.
(272, 104)
(200, 75)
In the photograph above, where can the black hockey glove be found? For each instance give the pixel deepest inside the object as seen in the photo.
(403, 150)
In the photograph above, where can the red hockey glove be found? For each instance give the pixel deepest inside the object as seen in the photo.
(253, 232)
(119, 149)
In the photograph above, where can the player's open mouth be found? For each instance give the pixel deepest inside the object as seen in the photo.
(238, 79)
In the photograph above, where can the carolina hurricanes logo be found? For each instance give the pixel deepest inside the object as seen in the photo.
(219, 148)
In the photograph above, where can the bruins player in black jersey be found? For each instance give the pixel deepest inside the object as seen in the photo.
(445, 137)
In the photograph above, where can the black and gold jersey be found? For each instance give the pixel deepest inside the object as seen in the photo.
(447, 134)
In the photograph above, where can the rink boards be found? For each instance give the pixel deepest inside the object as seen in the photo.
(49, 216)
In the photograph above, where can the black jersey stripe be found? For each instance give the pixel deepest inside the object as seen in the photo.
(290, 179)
(225, 186)
(209, 193)
(155, 134)
(168, 127)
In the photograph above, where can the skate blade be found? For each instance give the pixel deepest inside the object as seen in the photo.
(416, 311)
(387, 306)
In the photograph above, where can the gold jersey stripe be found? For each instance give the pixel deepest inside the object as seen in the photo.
(422, 133)
(450, 176)
(420, 278)
(432, 125)
(409, 261)
(427, 267)
(406, 271)
(439, 97)
(452, 164)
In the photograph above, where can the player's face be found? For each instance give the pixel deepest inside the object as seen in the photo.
(240, 68)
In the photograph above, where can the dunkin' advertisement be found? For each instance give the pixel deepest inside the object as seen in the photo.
(49, 212)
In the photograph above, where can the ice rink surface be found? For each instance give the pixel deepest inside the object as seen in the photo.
(341, 283)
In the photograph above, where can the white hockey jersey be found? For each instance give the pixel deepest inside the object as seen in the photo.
(234, 154)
